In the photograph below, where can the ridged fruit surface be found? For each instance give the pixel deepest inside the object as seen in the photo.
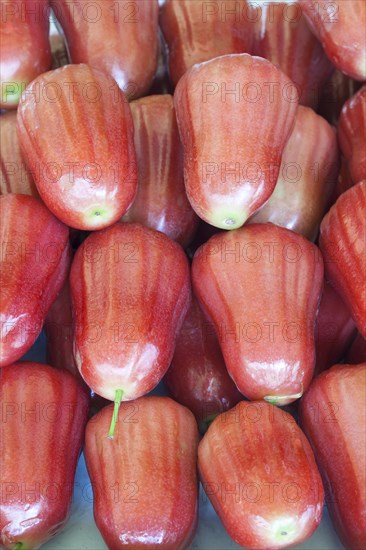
(15, 176)
(76, 133)
(307, 177)
(343, 244)
(282, 36)
(333, 416)
(25, 47)
(261, 287)
(197, 376)
(144, 480)
(334, 331)
(259, 472)
(130, 292)
(340, 26)
(35, 260)
(44, 412)
(118, 38)
(352, 134)
(161, 201)
(199, 31)
(235, 114)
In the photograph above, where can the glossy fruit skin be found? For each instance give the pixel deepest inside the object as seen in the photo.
(161, 201)
(334, 331)
(25, 47)
(332, 414)
(250, 460)
(308, 174)
(340, 26)
(219, 152)
(59, 329)
(197, 377)
(87, 178)
(352, 134)
(342, 242)
(283, 36)
(357, 352)
(15, 176)
(42, 429)
(261, 287)
(151, 460)
(130, 292)
(197, 31)
(120, 39)
(35, 261)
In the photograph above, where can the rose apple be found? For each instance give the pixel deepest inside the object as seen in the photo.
(76, 133)
(261, 287)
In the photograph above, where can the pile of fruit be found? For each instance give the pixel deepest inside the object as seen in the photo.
(183, 199)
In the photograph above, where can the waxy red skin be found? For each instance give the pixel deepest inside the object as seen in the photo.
(35, 259)
(130, 292)
(261, 287)
(352, 134)
(342, 242)
(357, 352)
(333, 416)
(198, 377)
(25, 47)
(335, 329)
(198, 31)
(144, 479)
(121, 39)
(259, 472)
(340, 26)
(161, 201)
(42, 429)
(232, 144)
(79, 145)
(15, 176)
(308, 174)
(282, 36)
(59, 332)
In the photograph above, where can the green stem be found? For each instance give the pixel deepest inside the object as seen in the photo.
(117, 404)
(19, 546)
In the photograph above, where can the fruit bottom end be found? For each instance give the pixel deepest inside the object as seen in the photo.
(20, 546)
(228, 220)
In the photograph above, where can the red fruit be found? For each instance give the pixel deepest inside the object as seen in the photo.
(357, 352)
(308, 174)
(282, 36)
(235, 114)
(43, 417)
(25, 47)
(333, 416)
(342, 242)
(35, 259)
(76, 132)
(261, 287)
(352, 134)
(334, 94)
(119, 38)
(340, 26)
(335, 329)
(199, 31)
(259, 472)
(15, 177)
(197, 377)
(161, 201)
(59, 328)
(144, 481)
(130, 292)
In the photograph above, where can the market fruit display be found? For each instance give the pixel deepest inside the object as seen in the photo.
(182, 274)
